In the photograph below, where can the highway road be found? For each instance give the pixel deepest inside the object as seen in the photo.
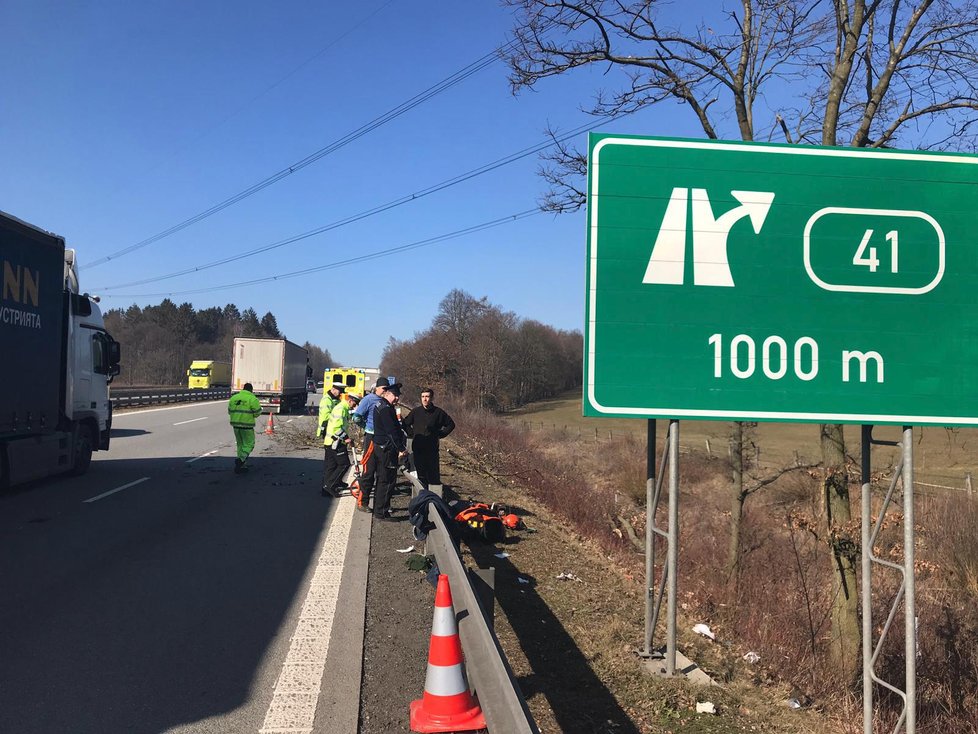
(163, 593)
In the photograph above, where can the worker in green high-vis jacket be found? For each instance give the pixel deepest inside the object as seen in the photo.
(243, 409)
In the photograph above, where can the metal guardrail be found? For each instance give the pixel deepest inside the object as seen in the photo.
(502, 702)
(127, 397)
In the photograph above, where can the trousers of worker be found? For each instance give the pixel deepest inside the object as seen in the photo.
(386, 469)
(427, 464)
(336, 462)
(368, 477)
(244, 439)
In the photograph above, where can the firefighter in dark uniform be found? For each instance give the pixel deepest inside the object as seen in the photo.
(390, 445)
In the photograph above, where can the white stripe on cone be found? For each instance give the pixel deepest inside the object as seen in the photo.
(445, 680)
(443, 624)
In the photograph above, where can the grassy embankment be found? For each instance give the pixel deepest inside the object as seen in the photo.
(777, 605)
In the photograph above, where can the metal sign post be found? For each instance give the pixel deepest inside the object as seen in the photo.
(906, 593)
(668, 586)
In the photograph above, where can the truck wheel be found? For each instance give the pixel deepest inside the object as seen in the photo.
(83, 452)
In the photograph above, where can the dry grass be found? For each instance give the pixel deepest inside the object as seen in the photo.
(943, 456)
(779, 606)
(571, 643)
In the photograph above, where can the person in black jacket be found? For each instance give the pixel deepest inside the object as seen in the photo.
(390, 446)
(428, 424)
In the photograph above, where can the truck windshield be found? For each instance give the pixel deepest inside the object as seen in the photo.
(200, 373)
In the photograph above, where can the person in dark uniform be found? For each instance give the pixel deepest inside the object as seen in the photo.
(390, 446)
(427, 424)
(364, 415)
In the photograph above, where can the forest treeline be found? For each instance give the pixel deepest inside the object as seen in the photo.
(160, 342)
(474, 352)
(484, 357)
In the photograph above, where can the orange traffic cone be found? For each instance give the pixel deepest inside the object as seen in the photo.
(270, 428)
(447, 704)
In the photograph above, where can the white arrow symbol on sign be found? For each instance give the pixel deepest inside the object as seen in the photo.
(710, 265)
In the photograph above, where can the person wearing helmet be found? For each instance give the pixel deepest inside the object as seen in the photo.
(336, 442)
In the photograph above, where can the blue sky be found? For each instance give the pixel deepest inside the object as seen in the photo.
(122, 119)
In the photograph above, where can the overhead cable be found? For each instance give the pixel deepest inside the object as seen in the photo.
(342, 263)
(460, 178)
(432, 91)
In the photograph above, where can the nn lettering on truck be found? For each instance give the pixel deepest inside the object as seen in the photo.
(20, 285)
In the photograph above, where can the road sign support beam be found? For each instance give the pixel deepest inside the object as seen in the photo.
(907, 591)
(668, 585)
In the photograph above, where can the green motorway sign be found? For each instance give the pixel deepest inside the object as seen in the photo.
(742, 281)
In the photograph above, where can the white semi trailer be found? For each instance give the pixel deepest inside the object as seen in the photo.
(276, 369)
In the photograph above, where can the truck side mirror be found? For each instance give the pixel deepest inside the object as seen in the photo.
(115, 355)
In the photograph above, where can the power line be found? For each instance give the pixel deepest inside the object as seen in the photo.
(292, 72)
(498, 163)
(349, 261)
(432, 91)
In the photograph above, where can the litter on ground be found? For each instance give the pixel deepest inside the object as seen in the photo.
(702, 629)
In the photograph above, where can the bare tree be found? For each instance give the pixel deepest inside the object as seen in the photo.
(825, 72)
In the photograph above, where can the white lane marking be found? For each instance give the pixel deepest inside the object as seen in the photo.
(192, 420)
(184, 406)
(117, 489)
(293, 705)
(202, 456)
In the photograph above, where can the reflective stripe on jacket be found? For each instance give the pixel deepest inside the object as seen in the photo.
(243, 408)
(326, 406)
(338, 423)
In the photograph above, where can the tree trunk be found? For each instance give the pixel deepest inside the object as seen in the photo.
(844, 645)
(737, 497)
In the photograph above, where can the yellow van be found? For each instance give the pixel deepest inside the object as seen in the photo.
(353, 380)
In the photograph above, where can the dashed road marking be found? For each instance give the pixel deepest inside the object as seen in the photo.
(192, 420)
(293, 706)
(117, 489)
(202, 456)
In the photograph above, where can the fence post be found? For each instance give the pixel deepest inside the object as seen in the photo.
(967, 484)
